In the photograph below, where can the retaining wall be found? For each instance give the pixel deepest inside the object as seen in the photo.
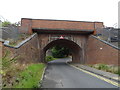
(99, 51)
(27, 51)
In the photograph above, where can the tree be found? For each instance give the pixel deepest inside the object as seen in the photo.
(6, 23)
(60, 52)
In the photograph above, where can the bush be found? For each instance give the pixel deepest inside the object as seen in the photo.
(5, 23)
(49, 58)
(60, 52)
(103, 67)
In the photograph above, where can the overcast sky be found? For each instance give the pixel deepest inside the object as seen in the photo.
(81, 10)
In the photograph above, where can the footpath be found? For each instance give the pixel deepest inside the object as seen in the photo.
(98, 72)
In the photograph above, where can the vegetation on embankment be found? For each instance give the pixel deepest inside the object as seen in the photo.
(17, 75)
(49, 58)
(107, 68)
(20, 38)
(30, 77)
(58, 52)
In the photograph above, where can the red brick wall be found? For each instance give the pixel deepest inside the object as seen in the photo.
(60, 24)
(98, 25)
(77, 46)
(27, 53)
(106, 55)
(26, 26)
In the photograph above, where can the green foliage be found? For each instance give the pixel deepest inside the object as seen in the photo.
(107, 68)
(8, 71)
(118, 72)
(60, 52)
(7, 60)
(21, 37)
(49, 58)
(102, 67)
(5, 23)
(30, 77)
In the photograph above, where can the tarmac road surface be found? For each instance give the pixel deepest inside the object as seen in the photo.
(58, 74)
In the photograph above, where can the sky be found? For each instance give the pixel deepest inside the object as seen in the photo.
(79, 10)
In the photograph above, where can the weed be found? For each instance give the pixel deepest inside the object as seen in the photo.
(107, 68)
(7, 60)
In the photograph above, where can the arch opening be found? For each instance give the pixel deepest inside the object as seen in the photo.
(75, 49)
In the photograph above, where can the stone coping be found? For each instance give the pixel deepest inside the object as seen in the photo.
(106, 42)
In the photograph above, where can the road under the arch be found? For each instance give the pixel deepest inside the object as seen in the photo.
(60, 75)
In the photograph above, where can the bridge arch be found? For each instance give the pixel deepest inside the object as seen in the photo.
(76, 50)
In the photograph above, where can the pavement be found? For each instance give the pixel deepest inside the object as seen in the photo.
(98, 72)
(59, 74)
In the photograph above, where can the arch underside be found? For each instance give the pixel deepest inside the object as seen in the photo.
(76, 50)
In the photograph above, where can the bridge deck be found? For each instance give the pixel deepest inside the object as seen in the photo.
(61, 30)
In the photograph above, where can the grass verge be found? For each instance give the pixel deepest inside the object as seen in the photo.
(30, 77)
(107, 68)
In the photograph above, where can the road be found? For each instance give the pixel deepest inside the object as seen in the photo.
(60, 75)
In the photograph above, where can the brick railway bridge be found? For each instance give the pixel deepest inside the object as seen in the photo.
(71, 34)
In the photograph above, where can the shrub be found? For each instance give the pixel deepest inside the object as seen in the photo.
(49, 58)
(103, 67)
(5, 23)
(60, 52)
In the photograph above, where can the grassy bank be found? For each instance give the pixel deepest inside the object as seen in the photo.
(107, 68)
(18, 75)
(30, 77)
